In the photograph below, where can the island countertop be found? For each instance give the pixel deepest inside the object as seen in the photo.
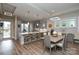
(33, 32)
(22, 36)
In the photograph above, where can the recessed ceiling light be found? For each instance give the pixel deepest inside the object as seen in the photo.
(55, 18)
(53, 11)
(43, 25)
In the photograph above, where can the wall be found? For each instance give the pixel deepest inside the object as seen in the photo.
(18, 28)
(50, 22)
(74, 14)
(68, 30)
(13, 28)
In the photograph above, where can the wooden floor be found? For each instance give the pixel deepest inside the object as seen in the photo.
(10, 47)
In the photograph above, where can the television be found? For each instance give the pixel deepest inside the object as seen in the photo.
(1, 24)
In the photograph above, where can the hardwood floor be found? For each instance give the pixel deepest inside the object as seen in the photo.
(10, 47)
(6, 47)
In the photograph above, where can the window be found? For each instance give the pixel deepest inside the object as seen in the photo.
(24, 27)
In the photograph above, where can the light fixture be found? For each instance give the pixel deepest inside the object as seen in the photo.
(53, 11)
(55, 18)
(43, 25)
(28, 23)
(8, 13)
(51, 18)
(37, 24)
(4, 13)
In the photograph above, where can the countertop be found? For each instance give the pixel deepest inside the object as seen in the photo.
(33, 32)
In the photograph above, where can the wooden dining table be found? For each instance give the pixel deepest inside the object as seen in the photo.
(56, 39)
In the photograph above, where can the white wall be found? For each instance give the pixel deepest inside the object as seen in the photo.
(50, 22)
(74, 14)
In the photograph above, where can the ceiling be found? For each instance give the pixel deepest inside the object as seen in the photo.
(37, 11)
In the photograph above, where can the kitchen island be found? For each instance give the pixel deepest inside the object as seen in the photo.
(28, 37)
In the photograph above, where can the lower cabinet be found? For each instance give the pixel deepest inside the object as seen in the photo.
(32, 37)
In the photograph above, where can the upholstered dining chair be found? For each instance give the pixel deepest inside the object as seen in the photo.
(47, 43)
(63, 43)
(76, 39)
(70, 37)
(43, 35)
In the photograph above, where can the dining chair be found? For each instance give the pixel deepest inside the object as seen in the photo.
(47, 43)
(63, 43)
(70, 37)
(43, 35)
(76, 39)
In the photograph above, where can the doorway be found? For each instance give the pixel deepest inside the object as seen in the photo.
(6, 29)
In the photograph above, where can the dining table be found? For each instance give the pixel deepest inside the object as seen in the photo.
(56, 39)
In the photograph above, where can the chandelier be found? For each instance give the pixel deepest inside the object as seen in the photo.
(7, 9)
